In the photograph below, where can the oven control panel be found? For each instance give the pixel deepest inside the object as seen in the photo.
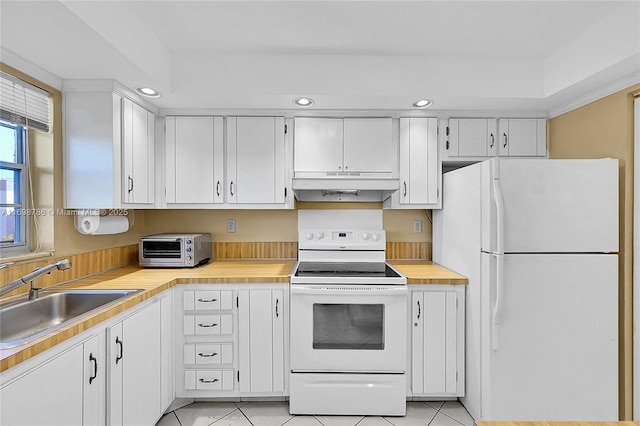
(369, 239)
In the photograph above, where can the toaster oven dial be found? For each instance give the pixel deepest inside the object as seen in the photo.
(189, 241)
(188, 249)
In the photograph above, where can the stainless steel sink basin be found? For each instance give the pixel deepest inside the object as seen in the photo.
(26, 320)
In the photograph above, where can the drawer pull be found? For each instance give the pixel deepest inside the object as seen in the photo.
(207, 300)
(207, 325)
(208, 355)
(207, 381)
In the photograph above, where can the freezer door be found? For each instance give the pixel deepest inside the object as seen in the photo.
(553, 206)
(557, 329)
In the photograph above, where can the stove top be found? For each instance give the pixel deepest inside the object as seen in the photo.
(345, 269)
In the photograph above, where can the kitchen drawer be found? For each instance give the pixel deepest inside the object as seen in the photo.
(208, 300)
(208, 380)
(208, 353)
(203, 325)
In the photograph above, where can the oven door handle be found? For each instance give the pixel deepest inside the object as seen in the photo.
(347, 290)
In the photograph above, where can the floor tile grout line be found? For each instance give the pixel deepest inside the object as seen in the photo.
(245, 416)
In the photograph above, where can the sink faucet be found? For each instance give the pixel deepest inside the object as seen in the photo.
(61, 265)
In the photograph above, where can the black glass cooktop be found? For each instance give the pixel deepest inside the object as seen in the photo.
(345, 269)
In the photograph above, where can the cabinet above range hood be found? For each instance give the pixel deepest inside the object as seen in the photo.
(344, 188)
(345, 159)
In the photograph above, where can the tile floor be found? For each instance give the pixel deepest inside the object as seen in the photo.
(449, 413)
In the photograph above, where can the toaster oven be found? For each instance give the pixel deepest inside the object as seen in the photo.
(175, 250)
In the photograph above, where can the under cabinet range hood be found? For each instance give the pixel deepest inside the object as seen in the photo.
(345, 188)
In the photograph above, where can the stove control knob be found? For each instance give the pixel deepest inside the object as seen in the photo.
(309, 235)
(320, 235)
(365, 236)
(375, 237)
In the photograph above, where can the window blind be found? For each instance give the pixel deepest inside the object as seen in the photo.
(23, 103)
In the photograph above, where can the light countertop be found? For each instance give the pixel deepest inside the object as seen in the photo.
(155, 281)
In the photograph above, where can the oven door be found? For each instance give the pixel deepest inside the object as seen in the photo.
(348, 328)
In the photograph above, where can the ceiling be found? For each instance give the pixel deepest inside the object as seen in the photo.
(365, 55)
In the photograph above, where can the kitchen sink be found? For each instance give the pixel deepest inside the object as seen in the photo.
(25, 320)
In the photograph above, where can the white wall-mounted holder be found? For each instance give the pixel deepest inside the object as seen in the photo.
(89, 222)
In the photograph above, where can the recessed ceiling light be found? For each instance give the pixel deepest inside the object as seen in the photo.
(148, 92)
(303, 102)
(422, 103)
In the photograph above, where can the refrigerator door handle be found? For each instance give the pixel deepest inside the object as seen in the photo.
(497, 307)
(497, 199)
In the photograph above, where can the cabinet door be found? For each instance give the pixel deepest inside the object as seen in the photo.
(94, 381)
(522, 137)
(434, 342)
(419, 168)
(472, 137)
(195, 160)
(368, 145)
(50, 394)
(167, 391)
(255, 160)
(134, 362)
(261, 325)
(138, 129)
(318, 145)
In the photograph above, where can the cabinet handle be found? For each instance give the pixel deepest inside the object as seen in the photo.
(231, 188)
(218, 188)
(505, 140)
(95, 367)
(119, 343)
(207, 325)
(130, 184)
(492, 140)
(277, 300)
(404, 194)
(207, 381)
(418, 309)
(207, 300)
(208, 355)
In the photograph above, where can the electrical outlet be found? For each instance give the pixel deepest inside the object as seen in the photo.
(417, 226)
(231, 225)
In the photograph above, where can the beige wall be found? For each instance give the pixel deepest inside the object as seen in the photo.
(275, 225)
(604, 128)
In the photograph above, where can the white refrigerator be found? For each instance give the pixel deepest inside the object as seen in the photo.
(538, 240)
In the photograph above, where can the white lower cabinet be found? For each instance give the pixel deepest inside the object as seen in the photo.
(262, 336)
(134, 353)
(437, 340)
(234, 340)
(62, 389)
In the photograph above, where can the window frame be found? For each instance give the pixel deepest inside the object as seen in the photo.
(21, 243)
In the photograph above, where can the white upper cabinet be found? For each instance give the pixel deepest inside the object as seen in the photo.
(108, 149)
(138, 137)
(522, 137)
(318, 145)
(472, 137)
(349, 145)
(420, 168)
(194, 160)
(475, 139)
(256, 167)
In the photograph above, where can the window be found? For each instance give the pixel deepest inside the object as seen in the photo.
(13, 189)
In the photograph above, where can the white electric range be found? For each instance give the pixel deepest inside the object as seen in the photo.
(348, 318)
